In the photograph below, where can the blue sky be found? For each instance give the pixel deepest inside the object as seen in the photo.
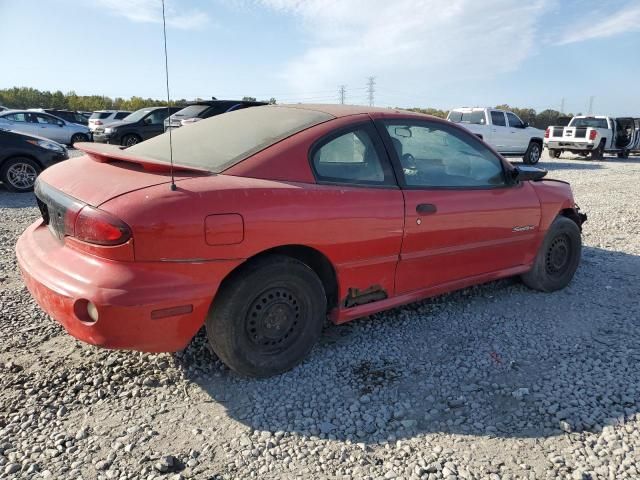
(438, 53)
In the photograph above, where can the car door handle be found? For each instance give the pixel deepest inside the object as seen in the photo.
(426, 208)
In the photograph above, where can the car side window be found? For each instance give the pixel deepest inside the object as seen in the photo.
(156, 117)
(121, 115)
(16, 117)
(514, 121)
(497, 118)
(46, 119)
(350, 157)
(437, 156)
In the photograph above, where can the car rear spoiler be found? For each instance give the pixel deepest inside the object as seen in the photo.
(104, 153)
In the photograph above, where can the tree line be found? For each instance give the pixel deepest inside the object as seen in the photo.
(25, 97)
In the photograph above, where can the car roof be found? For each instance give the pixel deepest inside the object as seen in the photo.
(338, 111)
(216, 102)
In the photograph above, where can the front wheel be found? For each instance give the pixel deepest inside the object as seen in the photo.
(267, 317)
(19, 174)
(532, 155)
(558, 257)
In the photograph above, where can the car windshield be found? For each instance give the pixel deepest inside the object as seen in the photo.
(589, 122)
(219, 142)
(100, 115)
(137, 115)
(476, 117)
(191, 111)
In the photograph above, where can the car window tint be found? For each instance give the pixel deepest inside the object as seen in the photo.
(433, 155)
(121, 115)
(497, 118)
(100, 115)
(349, 158)
(514, 121)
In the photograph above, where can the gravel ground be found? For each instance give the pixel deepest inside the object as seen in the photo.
(495, 381)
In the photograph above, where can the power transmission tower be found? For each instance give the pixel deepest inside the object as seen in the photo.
(562, 105)
(371, 89)
(591, 104)
(342, 89)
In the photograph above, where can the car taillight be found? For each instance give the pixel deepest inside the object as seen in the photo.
(100, 228)
(97, 122)
(593, 134)
(547, 132)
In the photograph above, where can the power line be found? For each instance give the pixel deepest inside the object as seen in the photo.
(371, 89)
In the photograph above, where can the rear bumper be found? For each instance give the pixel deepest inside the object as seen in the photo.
(568, 145)
(104, 138)
(132, 298)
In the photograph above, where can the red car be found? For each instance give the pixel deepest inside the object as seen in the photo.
(281, 217)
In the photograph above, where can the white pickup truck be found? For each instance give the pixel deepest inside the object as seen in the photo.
(504, 131)
(594, 135)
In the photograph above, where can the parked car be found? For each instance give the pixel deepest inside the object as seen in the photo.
(101, 118)
(594, 136)
(503, 130)
(3, 108)
(67, 115)
(139, 126)
(202, 109)
(23, 157)
(279, 217)
(44, 125)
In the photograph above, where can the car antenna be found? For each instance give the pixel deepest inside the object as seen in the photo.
(166, 71)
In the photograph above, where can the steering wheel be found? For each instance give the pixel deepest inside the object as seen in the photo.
(408, 161)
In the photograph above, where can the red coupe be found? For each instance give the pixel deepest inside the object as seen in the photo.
(281, 217)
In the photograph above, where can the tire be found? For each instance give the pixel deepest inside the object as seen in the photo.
(533, 153)
(553, 153)
(623, 154)
(78, 137)
(558, 257)
(130, 140)
(267, 317)
(19, 174)
(598, 152)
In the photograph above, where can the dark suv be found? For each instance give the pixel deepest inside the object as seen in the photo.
(201, 109)
(139, 126)
(68, 115)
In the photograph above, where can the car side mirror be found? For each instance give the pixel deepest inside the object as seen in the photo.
(525, 124)
(147, 121)
(523, 173)
(61, 124)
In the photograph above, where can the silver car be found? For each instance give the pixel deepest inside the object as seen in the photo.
(44, 125)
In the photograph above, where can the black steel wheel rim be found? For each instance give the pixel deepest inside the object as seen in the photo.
(273, 321)
(558, 256)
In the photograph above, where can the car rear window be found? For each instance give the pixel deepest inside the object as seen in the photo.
(100, 115)
(589, 122)
(191, 111)
(219, 142)
(467, 117)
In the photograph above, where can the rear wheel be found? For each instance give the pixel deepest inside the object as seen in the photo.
(598, 152)
(553, 153)
(623, 154)
(532, 155)
(558, 257)
(266, 318)
(130, 140)
(78, 137)
(19, 174)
